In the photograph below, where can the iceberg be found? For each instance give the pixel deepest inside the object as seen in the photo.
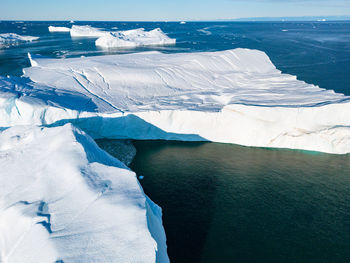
(134, 38)
(234, 96)
(86, 31)
(58, 29)
(14, 38)
(63, 199)
(120, 39)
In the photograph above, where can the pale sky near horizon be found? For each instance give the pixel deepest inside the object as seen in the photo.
(166, 10)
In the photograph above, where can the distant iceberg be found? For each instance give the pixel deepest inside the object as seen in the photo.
(182, 22)
(63, 199)
(13, 38)
(122, 39)
(234, 96)
(86, 31)
(58, 29)
(134, 38)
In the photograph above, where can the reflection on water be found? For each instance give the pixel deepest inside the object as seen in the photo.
(227, 203)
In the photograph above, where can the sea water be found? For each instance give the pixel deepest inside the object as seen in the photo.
(227, 203)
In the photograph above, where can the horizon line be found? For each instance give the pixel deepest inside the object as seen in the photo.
(241, 19)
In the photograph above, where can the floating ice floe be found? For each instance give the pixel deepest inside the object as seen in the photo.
(234, 96)
(58, 29)
(134, 38)
(13, 38)
(63, 199)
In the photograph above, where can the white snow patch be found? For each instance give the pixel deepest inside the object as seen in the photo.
(64, 199)
(58, 29)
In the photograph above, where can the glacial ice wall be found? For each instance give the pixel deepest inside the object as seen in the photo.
(64, 199)
(235, 96)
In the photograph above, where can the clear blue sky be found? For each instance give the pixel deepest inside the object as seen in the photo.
(118, 10)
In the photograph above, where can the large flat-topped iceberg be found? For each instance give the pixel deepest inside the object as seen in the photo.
(201, 81)
(235, 96)
(63, 199)
(134, 38)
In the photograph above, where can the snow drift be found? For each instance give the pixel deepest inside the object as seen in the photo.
(235, 96)
(63, 199)
(134, 38)
(58, 29)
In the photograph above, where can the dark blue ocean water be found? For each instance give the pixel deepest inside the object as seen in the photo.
(227, 203)
(316, 52)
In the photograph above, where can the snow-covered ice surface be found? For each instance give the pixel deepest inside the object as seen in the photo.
(235, 96)
(59, 29)
(14, 38)
(134, 38)
(63, 199)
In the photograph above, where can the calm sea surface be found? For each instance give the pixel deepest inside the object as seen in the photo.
(227, 203)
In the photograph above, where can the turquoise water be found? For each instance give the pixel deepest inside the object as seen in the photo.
(228, 203)
(316, 52)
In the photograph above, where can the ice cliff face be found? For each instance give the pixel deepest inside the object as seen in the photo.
(62, 199)
(234, 96)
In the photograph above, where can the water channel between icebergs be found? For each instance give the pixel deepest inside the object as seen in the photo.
(228, 203)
